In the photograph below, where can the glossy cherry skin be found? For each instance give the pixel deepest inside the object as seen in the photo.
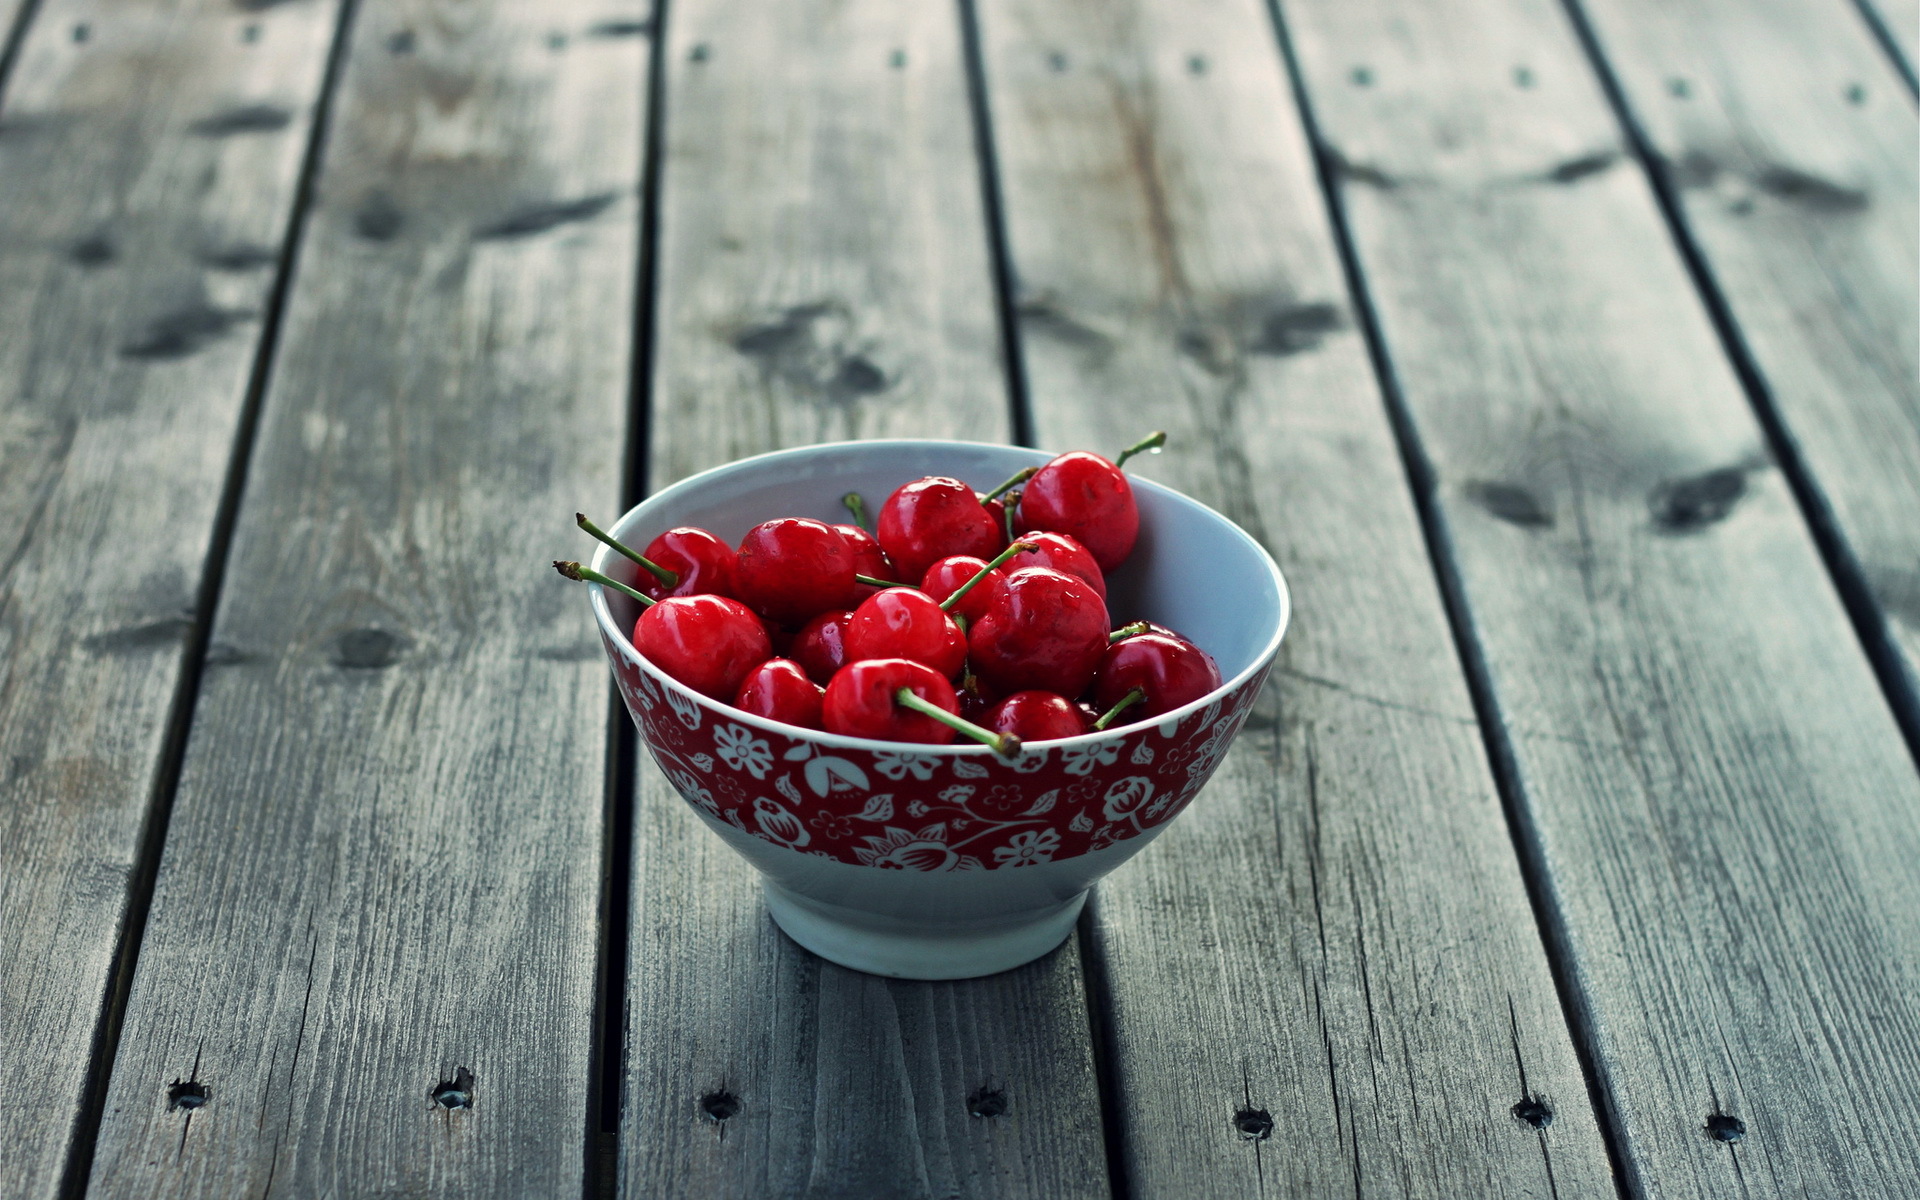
(1048, 630)
(1171, 671)
(703, 561)
(779, 690)
(944, 578)
(1036, 716)
(928, 519)
(860, 702)
(821, 645)
(792, 568)
(906, 623)
(868, 558)
(708, 643)
(1065, 555)
(1087, 498)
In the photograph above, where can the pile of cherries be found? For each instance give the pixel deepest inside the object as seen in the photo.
(1005, 639)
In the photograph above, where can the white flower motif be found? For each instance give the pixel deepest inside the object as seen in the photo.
(1031, 759)
(703, 762)
(903, 851)
(1125, 796)
(686, 708)
(898, 766)
(916, 808)
(957, 794)
(778, 825)
(1081, 760)
(689, 786)
(1027, 849)
(742, 751)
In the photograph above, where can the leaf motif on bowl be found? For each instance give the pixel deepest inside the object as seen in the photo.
(827, 774)
(966, 768)
(880, 808)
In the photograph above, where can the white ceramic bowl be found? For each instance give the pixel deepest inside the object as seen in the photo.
(945, 862)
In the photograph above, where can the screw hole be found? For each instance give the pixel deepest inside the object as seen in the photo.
(1254, 1124)
(188, 1095)
(1534, 1111)
(720, 1106)
(453, 1093)
(1723, 1128)
(987, 1102)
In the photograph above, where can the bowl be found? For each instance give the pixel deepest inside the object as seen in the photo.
(945, 862)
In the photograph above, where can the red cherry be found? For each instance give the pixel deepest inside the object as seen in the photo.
(708, 643)
(906, 623)
(1047, 631)
(792, 568)
(1066, 556)
(821, 645)
(703, 561)
(1170, 671)
(1036, 716)
(944, 578)
(777, 637)
(860, 702)
(868, 558)
(931, 518)
(1087, 498)
(780, 691)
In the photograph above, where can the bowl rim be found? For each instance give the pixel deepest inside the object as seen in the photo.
(965, 748)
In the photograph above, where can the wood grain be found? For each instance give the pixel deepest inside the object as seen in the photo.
(1901, 20)
(821, 234)
(825, 273)
(384, 867)
(1792, 158)
(1713, 788)
(1325, 978)
(140, 239)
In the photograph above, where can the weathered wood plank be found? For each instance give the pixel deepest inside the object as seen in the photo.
(384, 865)
(1791, 154)
(141, 225)
(1711, 783)
(1901, 20)
(825, 272)
(1334, 944)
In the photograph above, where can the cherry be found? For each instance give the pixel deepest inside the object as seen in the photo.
(708, 643)
(945, 577)
(894, 700)
(1047, 630)
(1067, 556)
(791, 568)
(703, 562)
(906, 623)
(779, 690)
(869, 559)
(661, 576)
(821, 645)
(1169, 672)
(1036, 716)
(1089, 499)
(929, 519)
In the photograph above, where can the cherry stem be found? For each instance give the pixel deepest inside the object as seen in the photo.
(854, 504)
(1152, 441)
(670, 578)
(1126, 631)
(1019, 477)
(1008, 509)
(1127, 701)
(1017, 548)
(573, 570)
(870, 581)
(1004, 744)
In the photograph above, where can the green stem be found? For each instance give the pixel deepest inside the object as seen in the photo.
(1004, 744)
(1152, 441)
(1017, 548)
(1019, 477)
(870, 581)
(574, 571)
(1126, 631)
(1127, 701)
(856, 505)
(1009, 508)
(670, 578)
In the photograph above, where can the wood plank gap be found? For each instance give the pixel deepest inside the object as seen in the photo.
(1850, 580)
(10, 49)
(1106, 1066)
(998, 254)
(1883, 32)
(634, 483)
(1421, 481)
(153, 832)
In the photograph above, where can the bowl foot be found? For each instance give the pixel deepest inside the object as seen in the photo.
(884, 946)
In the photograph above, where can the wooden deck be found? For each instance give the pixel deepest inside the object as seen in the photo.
(1566, 355)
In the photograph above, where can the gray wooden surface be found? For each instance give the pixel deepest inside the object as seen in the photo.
(140, 235)
(1376, 1000)
(1575, 833)
(384, 864)
(1792, 153)
(825, 273)
(1710, 779)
